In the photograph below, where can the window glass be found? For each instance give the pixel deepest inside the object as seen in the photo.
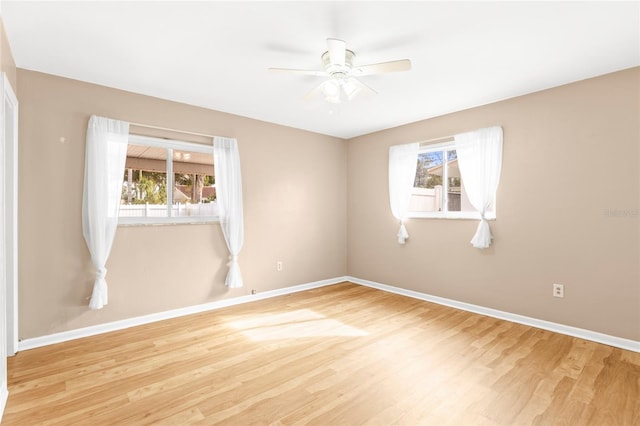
(427, 194)
(144, 189)
(438, 187)
(194, 191)
(168, 183)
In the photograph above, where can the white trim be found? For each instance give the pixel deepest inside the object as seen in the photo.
(618, 342)
(11, 217)
(170, 143)
(173, 220)
(445, 143)
(186, 132)
(64, 336)
(170, 178)
(4, 395)
(474, 215)
(606, 339)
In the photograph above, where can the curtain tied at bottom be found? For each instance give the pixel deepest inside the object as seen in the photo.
(480, 163)
(402, 233)
(100, 294)
(402, 173)
(482, 238)
(105, 160)
(234, 276)
(226, 160)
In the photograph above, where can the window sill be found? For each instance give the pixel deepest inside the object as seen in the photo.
(163, 221)
(449, 215)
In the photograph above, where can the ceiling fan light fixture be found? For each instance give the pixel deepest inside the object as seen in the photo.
(350, 88)
(331, 88)
(340, 89)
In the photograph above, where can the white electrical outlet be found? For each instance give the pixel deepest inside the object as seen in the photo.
(558, 290)
(279, 265)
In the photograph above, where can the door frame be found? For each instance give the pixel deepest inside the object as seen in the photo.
(10, 141)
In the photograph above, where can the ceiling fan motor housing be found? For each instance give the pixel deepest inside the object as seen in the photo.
(338, 70)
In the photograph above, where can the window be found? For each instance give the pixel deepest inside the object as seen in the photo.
(438, 189)
(167, 181)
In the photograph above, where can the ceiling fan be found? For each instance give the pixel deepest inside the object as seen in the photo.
(341, 83)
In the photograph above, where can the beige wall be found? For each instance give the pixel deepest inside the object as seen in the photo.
(294, 200)
(570, 154)
(561, 147)
(7, 64)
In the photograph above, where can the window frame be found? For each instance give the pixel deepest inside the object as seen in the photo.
(170, 145)
(445, 214)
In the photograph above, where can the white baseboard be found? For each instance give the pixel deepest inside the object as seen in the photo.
(4, 394)
(51, 339)
(618, 342)
(64, 336)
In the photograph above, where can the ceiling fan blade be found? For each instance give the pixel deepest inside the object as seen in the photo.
(363, 87)
(383, 67)
(297, 71)
(314, 92)
(337, 51)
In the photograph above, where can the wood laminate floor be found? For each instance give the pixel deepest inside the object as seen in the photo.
(338, 355)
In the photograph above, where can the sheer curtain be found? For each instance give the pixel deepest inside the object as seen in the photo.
(402, 173)
(480, 163)
(105, 157)
(226, 160)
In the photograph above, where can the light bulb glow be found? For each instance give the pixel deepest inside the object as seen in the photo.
(331, 88)
(340, 88)
(350, 88)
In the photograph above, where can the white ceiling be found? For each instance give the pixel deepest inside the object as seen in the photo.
(216, 54)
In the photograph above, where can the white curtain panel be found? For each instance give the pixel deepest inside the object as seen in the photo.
(105, 157)
(403, 160)
(226, 160)
(480, 163)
